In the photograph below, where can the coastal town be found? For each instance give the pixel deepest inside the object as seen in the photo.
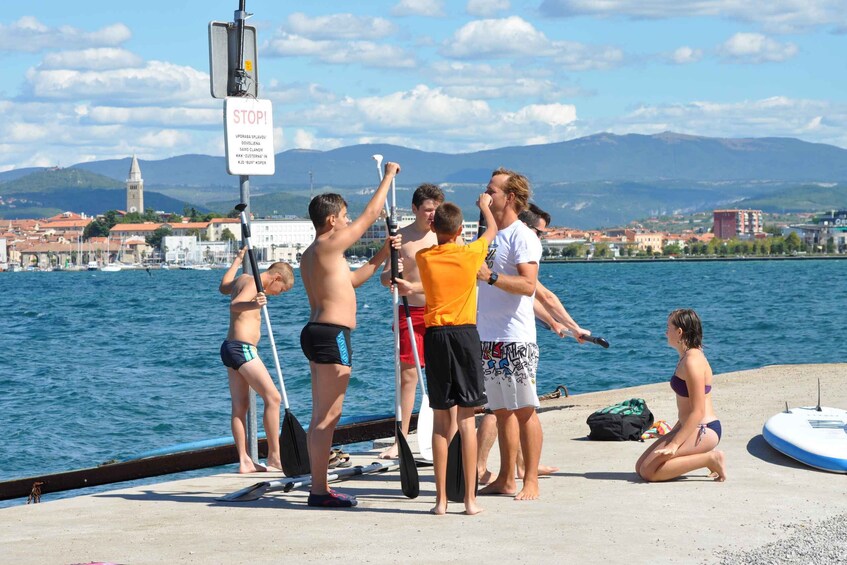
(66, 242)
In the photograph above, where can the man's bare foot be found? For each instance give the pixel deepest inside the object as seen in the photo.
(251, 467)
(440, 509)
(471, 508)
(542, 470)
(717, 466)
(528, 492)
(484, 477)
(389, 452)
(498, 487)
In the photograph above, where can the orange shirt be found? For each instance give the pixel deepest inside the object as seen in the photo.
(448, 274)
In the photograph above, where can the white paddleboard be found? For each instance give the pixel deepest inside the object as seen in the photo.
(815, 438)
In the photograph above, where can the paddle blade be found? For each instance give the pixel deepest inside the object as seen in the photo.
(425, 429)
(602, 342)
(293, 447)
(455, 470)
(409, 481)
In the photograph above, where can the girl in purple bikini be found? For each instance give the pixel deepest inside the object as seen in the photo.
(691, 444)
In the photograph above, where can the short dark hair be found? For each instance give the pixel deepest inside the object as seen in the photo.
(529, 217)
(323, 206)
(427, 191)
(448, 219)
(689, 322)
(534, 208)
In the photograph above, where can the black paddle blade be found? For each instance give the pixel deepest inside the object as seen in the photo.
(409, 480)
(455, 470)
(293, 447)
(601, 341)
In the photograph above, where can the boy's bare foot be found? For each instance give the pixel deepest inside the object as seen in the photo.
(471, 508)
(273, 468)
(390, 452)
(542, 470)
(718, 466)
(440, 509)
(528, 492)
(251, 467)
(498, 487)
(484, 477)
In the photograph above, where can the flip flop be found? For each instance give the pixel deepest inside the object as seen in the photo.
(337, 458)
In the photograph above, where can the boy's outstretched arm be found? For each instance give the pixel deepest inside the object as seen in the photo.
(345, 238)
(484, 203)
(366, 271)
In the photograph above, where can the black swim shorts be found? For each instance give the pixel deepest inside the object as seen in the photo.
(327, 344)
(453, 372)
(235, 353)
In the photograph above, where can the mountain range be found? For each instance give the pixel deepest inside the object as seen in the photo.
(593, 181)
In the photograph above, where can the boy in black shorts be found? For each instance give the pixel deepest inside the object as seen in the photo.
(451, 344)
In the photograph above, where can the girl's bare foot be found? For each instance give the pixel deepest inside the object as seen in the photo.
(389, 452)
(542, 470)
(484, 477)
(717, 466)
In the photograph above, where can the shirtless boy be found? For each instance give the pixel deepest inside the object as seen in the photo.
(325, 340)
(416, 236)
(244, 368)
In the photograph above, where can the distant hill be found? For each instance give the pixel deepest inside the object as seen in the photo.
(592, 181)
(45, 180)
(801, 199)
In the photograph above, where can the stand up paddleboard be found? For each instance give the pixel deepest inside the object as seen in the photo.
(814, 435)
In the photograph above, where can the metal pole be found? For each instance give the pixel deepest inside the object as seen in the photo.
(240, 77)
(252, 421)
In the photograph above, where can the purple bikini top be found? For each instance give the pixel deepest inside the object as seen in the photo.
(681, 388)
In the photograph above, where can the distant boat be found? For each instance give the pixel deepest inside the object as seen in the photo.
(92, 266)
(164, 266)
(111, 268)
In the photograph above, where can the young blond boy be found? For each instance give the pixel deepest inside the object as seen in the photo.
(448, 273)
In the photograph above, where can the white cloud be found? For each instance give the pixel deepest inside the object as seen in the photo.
(366, 53)
(157, 83)
(685, 55)
(755, 48)
(516, 37)
(95, 59)
(409, 117)
(154, 116)
(28, 35)
(429, 8)
(780, 16)
(339, 26)
(486, 8)
(487, 82)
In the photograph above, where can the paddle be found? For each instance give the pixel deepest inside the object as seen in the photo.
(425, 412)
(409, 480)
(601, 341)
(293, 445)
(455, 462)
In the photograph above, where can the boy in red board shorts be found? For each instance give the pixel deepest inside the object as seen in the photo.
(451, 344)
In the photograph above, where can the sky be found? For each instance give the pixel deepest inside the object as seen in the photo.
(90, 80)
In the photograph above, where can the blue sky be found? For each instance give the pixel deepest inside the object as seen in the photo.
(90, 79)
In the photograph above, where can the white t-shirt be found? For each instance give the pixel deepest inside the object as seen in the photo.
(503, 316)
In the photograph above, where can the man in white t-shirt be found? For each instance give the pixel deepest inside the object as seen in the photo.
(506, 323)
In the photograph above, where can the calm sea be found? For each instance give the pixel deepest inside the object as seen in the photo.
(100, 366)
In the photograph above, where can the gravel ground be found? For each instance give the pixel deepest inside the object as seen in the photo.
(809, 543)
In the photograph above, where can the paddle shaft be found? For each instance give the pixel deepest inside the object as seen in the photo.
(245, 234)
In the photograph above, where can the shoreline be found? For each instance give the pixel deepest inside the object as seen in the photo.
(698, 259)
(595, 498)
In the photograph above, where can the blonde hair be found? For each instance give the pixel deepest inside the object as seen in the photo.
(515, 184)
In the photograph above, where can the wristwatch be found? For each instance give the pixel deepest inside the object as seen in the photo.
(493, 278)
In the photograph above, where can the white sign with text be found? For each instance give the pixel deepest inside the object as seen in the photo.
(249, 134)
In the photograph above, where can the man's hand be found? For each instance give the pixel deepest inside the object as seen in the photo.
(484, 273)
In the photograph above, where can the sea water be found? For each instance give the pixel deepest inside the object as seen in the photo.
(102, 366)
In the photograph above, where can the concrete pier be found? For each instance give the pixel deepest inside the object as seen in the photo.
(595, 510)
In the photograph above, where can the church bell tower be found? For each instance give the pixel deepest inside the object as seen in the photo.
(135, 189)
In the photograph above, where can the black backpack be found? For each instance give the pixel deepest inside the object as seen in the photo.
(626, 420)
